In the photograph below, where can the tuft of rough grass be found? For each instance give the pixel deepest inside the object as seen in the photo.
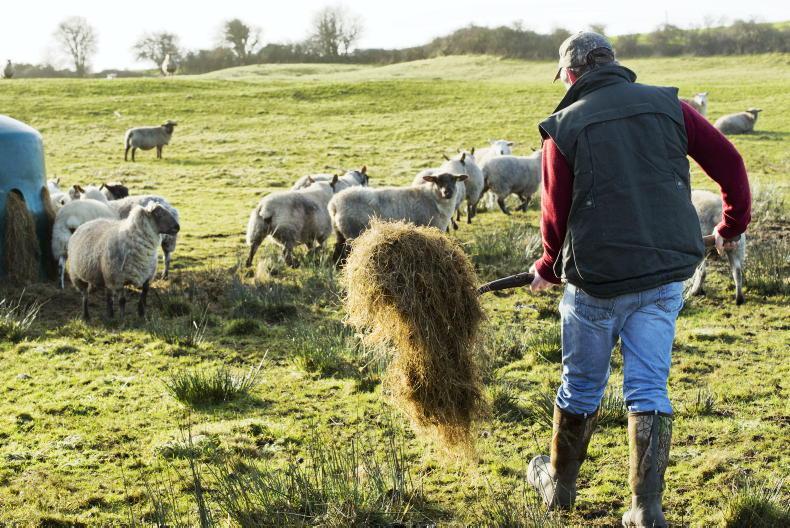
(546, 342)
(703, 404)
(414, 289)
(339, 483)
(768, 267)
(198, 388)
(768, 205)
(180, 332)
(514, 507)
(270, 302)
(326, 350)
(506, 251)
(241, 327)
(756, 505)
(17, 317)
(504, 398)
(613, 410)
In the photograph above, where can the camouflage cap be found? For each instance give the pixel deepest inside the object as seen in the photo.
(574, 51)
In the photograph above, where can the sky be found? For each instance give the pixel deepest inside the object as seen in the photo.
(28, 24)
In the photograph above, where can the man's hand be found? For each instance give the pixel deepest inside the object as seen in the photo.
(539, 283)
(722, 244)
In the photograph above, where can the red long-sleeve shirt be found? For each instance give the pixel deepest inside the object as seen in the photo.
(706, 145)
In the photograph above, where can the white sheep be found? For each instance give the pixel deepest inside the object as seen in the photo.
(699, 102)
(499, 147)
(465, 163)
(146, 138)
(292, 218)
(519, 175)
(460, 195)
(124, 207)
(114, 190)
(169, 66)
(110, 254)
(740, 123)
(709, 211)
(423, 205)
(70, 217)
(349, 179)
(91, 192)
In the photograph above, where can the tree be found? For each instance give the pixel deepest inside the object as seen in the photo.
(241, 38)
(335, 30)
(155, 46)
(78, 41)
(598, 28)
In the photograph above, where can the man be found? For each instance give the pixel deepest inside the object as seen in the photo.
(619, 228)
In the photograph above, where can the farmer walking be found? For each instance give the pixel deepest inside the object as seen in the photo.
(620, 231)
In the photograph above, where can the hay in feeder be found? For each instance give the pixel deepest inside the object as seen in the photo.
(22, 250)
(50, 267)
(414, 289)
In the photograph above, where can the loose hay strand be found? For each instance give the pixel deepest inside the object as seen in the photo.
(22, 251)
(414, 289)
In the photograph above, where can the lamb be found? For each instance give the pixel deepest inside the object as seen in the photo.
(292, 218)
(423, 205)
(68, 218)
(465, 163)
(460, 196)
(349, 179)
(699, 102)
(114, 190)
(519, 175)
(740, 123)
(8, 71)
(124, 207)
(709, 211)
(111, 253)
(146, 138)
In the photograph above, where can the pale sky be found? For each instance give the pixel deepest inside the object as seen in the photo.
(27, 27)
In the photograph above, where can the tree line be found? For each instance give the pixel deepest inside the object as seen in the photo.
(335, 31)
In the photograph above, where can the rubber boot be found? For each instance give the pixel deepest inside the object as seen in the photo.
(649, 436)
(554, 477)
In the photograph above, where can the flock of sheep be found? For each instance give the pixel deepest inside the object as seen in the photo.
(110, 239)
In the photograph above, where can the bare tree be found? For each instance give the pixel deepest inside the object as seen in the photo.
(598, 28)
(335, 30)
(241, 38)
(78, 41)
(156, 46)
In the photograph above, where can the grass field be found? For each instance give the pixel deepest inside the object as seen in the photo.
(93, 431)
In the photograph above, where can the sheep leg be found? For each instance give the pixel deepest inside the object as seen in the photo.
(737, 276)
(457, 216)
(341, 250)
(288, 253)
(134, 149)
(85, 305)
(500, 200)
(468, 213)
(166, 271)
(62, 271)
(699, 279)
(158, 152)
(253, 248)
(453, 222)
(143, 297)
(110, 311)
(126, 153)
(524, 202)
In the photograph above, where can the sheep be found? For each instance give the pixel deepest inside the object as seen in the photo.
(460, 195)
(111, 253)
(146, 138)
(57, 197)
(8, 71)
(53, 185)
(519, 175)
(740, 123)
(699, 102)
(91, 192)
(114, 190)
(292, 218)
(709, 211)
(422, 205)
(500, 147)
(124, 207)
(68, 218)
(349, 179)
(464, 163)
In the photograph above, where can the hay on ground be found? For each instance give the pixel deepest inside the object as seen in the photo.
(50, 267)
(22, 250)
(414, 289)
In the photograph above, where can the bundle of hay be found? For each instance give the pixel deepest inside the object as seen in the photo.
(414, 289)
(22, 251)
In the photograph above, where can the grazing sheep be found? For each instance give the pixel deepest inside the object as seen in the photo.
(740, 123)
(68, 218)
(423, 205)
(500, 147)
(460, 195)
(146, 138)
(124, 207)
(110, 254)
(169, 66)
(91, 192)
(8, 71)
(292, 218)
(349, 179)
(709, 211)
(114, 190)
(519, 175)
(699, 102)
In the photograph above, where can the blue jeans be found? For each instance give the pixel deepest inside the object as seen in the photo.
(645, 324)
